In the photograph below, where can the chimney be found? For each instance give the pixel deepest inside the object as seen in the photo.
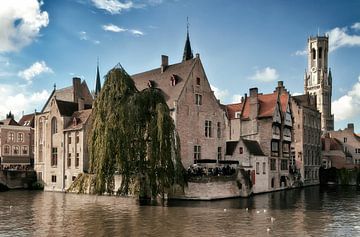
(76, 88)
(280, 84)
(254, 103)
(350, 127)
(197, 55)
(164, 62)
(242, 99)
(327, 141)
(81, 104)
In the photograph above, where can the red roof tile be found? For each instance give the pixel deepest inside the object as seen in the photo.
(231, 109)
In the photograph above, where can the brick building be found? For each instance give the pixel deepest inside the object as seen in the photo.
(199, 118)
(61, 136)
(307, 134)
(262, 125)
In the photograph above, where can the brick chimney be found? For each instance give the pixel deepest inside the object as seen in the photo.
(76, 88)
(164, 62)
(254, 103)
(81, 104)
(350, 127)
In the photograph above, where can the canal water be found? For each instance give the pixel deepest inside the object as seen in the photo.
(311, 211)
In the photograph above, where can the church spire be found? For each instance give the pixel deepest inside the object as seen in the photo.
(97, 82)
(187, 50)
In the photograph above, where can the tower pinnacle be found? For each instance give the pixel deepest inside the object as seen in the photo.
(187, 50)
(97, 81)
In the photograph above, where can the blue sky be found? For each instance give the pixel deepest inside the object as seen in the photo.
(242, 44)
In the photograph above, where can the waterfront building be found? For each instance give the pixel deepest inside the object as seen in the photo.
(333, 153)
(199, 118)
(16, 142)
(318, 79)
(307, 138)
(261, 128)
(350, 144)
(61, 129)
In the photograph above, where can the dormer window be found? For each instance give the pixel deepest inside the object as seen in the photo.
(237, 114)
(173, 80)
(150, 84)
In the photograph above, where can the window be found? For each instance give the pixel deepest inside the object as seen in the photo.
(313, 54)
(320, 52)
(284, 164)
(197, 152)
(20, 137)
(272, 164)
(198, 99)
(11, 136)
(257, 168)
(219, 153)
(54, 156)
(6, 150)
(77, 159)
(237, 114)
(69, 139)
(218, 130)
(286, 149)
(53, 178)
(77, 138)
(25, 150)
(16, 150)
(345, 139)
(274, 148)
(198, 81)
(241, 150)
(53, 126)
(207, 128)
(264, 167)
(276, 130)
(69, 160)
(73, 178)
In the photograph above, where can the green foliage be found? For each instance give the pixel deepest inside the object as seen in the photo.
(134, 135)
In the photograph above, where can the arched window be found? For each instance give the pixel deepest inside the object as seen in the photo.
(320, 52)
(53, 125)
(6, 150)
(313, 54)
(11, 136)
(16, 150)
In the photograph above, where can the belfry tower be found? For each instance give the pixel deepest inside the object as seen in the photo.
(318, 79)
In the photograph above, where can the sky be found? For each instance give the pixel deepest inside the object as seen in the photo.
(242, 44)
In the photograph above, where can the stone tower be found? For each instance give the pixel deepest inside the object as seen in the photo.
(318, 79)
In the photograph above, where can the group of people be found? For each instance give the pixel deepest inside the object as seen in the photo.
(198, 171)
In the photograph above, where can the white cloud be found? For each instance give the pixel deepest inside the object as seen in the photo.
(348, 106)
(34, 70)
(112, 6)
(17, 100)
(340, 37)
(136, 32)
(220, 94)
(236, 98)
(113, 28)
(117, 29)
(20, 23)
(84, 36)
(301, 52)
(356, 26)
(265, 75)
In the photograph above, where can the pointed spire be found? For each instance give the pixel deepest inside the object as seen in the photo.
(187, 50)
(330, 77)
(97, 82)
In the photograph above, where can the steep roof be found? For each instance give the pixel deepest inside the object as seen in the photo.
(231, 109)
(267, 104)
(27, 120)
(163, 80)
(335, 144)
(253, 147)
(66, 108)
(81, 118)
(9, 121)
(230, 147)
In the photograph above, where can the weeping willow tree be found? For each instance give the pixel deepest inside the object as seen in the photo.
(134, 135)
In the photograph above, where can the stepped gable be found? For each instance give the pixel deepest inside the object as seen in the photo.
(163, 78)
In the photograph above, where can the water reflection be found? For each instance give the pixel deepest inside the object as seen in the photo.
(311, 211)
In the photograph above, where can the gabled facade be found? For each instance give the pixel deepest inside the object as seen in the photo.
(307, 138)
(199, 118)
(333, 154)
(267, 119)
(60, 148)
(350, 143)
